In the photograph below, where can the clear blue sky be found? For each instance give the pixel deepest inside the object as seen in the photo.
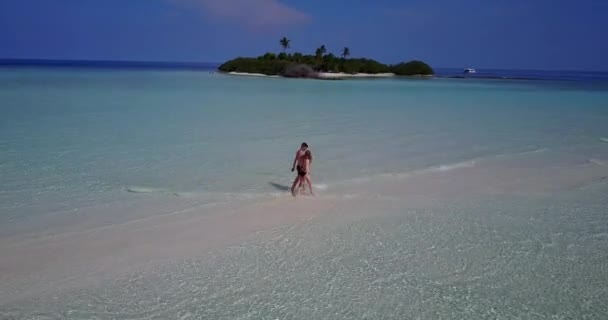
(526, 34)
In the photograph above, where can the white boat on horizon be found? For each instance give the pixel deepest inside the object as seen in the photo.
(470, 70)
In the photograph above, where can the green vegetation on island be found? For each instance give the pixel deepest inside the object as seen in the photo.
(322, 61)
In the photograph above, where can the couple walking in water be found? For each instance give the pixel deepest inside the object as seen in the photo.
(302, 163)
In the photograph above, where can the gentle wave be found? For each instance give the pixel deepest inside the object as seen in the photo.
(475, 161)
(136, 189)
(444, 167)
(320, 186)
(324, 186)
(602, 139)
(202, 194)
(434, 169)
(449, 167)
(399, 175)
(534, 151)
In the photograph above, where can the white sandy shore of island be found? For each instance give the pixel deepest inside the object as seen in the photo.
(234, 73)
(323, 75)
(331, 75)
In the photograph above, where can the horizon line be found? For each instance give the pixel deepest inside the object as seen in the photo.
(101, 60)
(7, 61)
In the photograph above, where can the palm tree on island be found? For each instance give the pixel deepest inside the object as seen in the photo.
(320, 52)
(285, 43)
(345, 52)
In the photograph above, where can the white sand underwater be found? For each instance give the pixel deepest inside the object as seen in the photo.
(490, 239)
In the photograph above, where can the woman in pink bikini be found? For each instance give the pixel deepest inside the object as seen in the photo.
(304, 162)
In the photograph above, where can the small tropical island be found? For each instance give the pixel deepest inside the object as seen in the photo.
(321, 65)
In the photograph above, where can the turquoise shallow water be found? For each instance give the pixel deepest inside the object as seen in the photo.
(74, 142)
(72, 138)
